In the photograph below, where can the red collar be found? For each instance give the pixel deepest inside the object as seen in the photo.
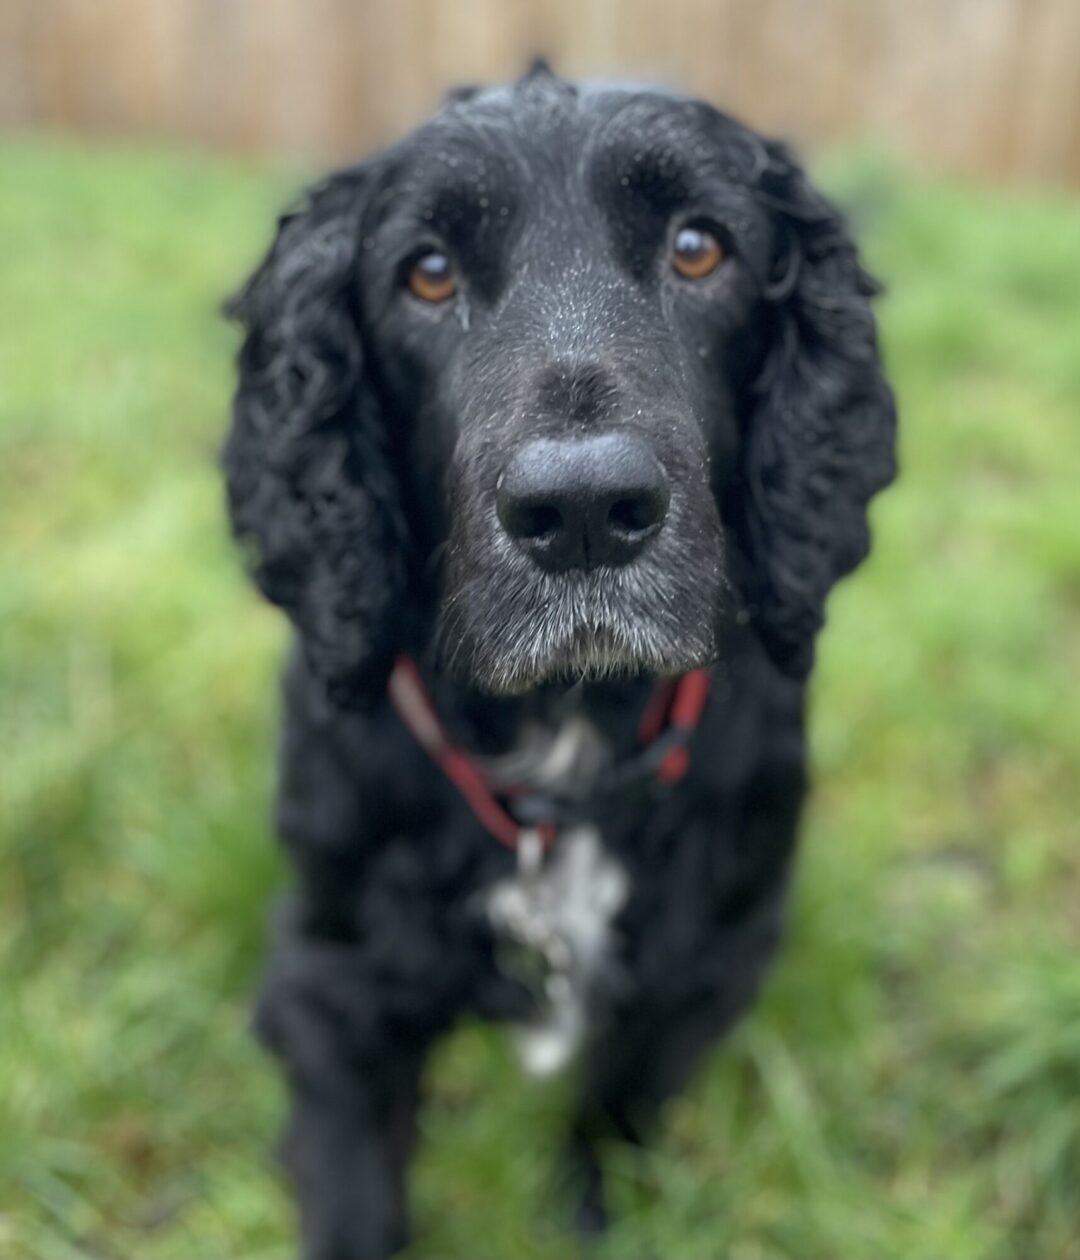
(670, 716)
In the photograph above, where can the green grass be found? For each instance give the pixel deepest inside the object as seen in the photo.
(910, 1085)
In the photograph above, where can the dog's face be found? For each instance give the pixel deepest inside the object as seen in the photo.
(581, 372)
(559, 296)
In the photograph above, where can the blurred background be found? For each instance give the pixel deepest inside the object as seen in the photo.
(987, 87)
(910, 1084)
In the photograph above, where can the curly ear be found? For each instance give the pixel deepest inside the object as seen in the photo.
(311, 492)
(820, 441)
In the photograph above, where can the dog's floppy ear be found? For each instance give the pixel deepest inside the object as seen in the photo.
(821, 437)
(311, 492)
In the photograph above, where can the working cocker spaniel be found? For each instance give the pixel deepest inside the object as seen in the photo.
(556, 423)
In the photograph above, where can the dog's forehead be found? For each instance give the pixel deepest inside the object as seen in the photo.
(546, 129)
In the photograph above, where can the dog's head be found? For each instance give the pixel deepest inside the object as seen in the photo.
(560, 382)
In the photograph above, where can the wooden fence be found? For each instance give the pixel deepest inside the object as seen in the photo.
(990, 87)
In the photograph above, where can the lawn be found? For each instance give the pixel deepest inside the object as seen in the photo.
(910, 1085)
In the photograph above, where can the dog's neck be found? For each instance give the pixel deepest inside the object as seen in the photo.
(497, 726)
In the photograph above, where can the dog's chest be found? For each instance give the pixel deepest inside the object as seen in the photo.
(554, 918)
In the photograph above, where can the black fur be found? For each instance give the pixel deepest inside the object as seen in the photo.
(369, 432)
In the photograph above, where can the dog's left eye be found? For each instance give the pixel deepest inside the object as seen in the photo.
(696, 253)
(431, 277)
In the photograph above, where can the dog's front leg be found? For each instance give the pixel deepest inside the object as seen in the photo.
(354, 1093)
(347, 1156)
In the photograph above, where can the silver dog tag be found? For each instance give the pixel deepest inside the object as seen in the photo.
(555, 916)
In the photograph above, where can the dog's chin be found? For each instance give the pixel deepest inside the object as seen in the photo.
(506, 627)
(579, 652)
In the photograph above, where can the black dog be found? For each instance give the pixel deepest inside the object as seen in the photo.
(574, 390)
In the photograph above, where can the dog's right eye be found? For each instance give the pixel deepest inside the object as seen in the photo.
(431, 277)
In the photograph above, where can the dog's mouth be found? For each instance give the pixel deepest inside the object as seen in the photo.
(597, 651)
(563, 631)
(585, 651)
(584, 654)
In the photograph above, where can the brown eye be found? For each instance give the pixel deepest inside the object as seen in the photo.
(431, 278)
(696, 253)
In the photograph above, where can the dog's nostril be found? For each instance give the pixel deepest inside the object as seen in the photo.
(537, 522)
(634, 515)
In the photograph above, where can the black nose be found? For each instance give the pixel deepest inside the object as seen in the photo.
(576, 503)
